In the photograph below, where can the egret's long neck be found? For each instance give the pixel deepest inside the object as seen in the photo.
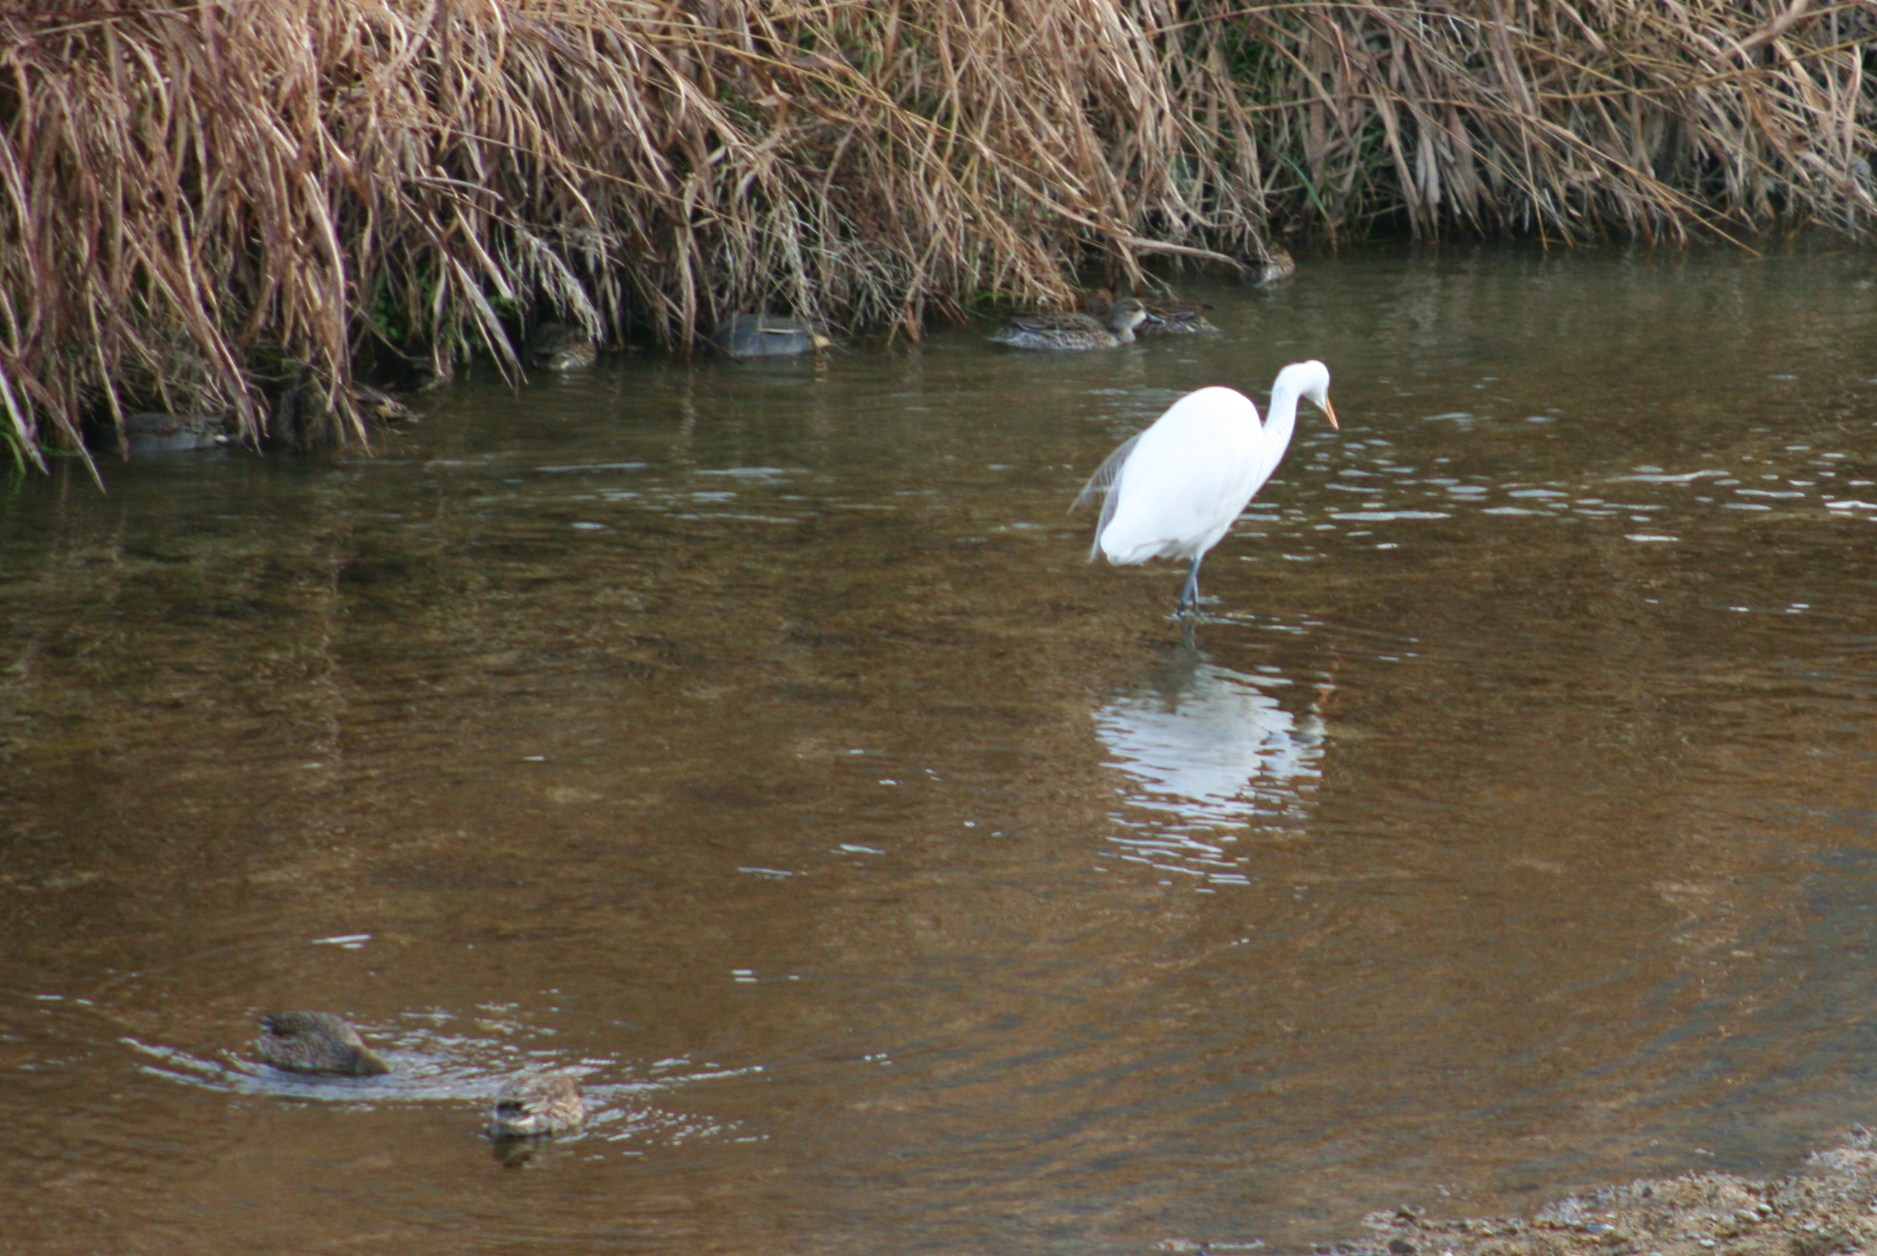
(1279, 423)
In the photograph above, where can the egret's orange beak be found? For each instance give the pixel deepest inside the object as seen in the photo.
(1329, 412)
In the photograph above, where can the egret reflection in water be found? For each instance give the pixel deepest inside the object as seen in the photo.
(1207, 749)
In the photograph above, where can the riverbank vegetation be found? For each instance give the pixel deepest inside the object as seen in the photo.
(210, 206)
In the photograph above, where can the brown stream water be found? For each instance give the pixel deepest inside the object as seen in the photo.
(755, 740)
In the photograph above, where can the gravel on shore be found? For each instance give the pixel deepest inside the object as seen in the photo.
(1827, 1206)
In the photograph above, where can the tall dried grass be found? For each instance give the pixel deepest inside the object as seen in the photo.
(1575, 121)
(201, 203)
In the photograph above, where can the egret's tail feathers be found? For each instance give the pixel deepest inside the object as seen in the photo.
(1107, 473)
(1103, 481)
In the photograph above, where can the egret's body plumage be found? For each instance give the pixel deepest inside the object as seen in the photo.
(1175, 490)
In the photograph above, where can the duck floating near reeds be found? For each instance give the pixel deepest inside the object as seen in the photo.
(1068, 332)
(159, 432)
(1164, 318)
(304, 416)
(768, 336)
(1274, 267)
(380, 407)
(561, 347)
(537, 1106)
(316, 1042)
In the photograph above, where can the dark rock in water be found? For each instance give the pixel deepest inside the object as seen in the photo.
(768, 336)
(316, 1042)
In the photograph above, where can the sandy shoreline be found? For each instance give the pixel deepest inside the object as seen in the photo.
(1828, 1205)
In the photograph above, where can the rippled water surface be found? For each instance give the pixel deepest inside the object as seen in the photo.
(755, 740)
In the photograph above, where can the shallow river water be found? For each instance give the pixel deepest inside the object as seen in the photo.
(755, 740)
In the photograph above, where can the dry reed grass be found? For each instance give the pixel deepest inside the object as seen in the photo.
(204, 203)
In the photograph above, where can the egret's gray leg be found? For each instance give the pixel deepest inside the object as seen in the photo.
(1189, 596)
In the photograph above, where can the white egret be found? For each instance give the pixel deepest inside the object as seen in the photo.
(1175, 489)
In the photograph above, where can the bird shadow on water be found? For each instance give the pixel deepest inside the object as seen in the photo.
(1208, 753)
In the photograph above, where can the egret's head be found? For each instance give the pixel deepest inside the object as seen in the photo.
(1312, 381)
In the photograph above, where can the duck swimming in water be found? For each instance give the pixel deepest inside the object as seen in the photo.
(1073, 331)
(1164, 318)
(768, 336)
(537, 1106)
(1274, 267)
(560, 347)
(316, 1042)
(153, 432)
